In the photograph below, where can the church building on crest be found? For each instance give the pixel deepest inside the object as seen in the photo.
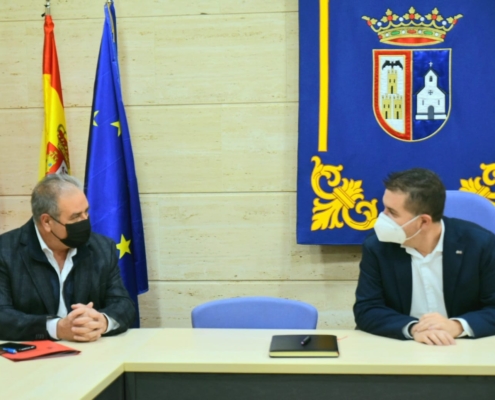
(431, 99)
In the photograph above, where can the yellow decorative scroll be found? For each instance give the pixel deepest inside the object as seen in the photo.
(347, 195)
(474, 184)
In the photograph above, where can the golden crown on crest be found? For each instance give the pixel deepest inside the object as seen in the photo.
(412, 29)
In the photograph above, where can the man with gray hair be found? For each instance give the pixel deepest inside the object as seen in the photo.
(59, 280)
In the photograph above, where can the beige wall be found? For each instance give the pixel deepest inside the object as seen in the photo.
(211, 90)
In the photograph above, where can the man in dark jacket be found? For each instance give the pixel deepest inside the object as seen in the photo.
(58, 280)
(424, 276)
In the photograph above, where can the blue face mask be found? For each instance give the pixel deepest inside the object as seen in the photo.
(388, 230)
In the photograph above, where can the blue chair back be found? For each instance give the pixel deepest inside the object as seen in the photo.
(255, 313)
(471, 207)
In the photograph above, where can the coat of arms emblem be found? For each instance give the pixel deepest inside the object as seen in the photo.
(412, 87)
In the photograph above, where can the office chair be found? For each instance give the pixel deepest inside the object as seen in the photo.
(471, 207)
(255, 313)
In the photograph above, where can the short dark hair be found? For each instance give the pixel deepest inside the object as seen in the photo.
(425, 190)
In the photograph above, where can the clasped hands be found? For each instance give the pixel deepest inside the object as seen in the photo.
(82, 324)
(435, 329)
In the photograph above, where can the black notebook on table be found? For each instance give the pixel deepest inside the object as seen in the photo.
(315, 346)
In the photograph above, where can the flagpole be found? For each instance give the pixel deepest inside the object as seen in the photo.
(47, 8)
(109, 3)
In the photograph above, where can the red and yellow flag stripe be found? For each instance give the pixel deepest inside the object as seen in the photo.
(54, 156)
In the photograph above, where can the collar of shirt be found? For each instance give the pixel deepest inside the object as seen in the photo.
(437, 250)
(49, 253)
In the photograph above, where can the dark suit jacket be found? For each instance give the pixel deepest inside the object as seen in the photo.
(30, 289)
(384, 291)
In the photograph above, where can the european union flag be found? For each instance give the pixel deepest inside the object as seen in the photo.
(111, 184)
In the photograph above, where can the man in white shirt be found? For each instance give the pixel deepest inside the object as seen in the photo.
(424, 276)
(58, 280)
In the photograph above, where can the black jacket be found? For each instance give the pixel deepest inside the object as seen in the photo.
(29, 286)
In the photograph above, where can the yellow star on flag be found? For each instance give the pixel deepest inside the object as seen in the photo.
(94, 118)
(123, 246)
(117, 125)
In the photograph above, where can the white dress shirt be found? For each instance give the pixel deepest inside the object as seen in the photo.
(427, 285)
(51, 324)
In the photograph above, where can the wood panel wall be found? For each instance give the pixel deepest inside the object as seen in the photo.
(211, 89)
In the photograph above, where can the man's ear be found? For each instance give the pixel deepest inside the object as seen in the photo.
(45, 223)
(426, 221)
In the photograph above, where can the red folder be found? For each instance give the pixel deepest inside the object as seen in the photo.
(44, 348)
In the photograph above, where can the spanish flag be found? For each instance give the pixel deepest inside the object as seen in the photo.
(54, 157)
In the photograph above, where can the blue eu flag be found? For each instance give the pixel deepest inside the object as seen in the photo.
(111, 184)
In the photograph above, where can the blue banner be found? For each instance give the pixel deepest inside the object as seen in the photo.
(110, 183)
(386, 86)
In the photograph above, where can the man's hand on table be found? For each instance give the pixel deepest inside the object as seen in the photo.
(435, 329)
(434, 337)
(82, 324)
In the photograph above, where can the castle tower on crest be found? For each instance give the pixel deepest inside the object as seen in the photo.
(392, 102)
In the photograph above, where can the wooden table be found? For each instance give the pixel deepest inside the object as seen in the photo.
(234, 364)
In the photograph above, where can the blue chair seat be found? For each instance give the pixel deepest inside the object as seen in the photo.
(255, 313)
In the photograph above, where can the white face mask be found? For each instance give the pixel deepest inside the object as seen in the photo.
(388, 230)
